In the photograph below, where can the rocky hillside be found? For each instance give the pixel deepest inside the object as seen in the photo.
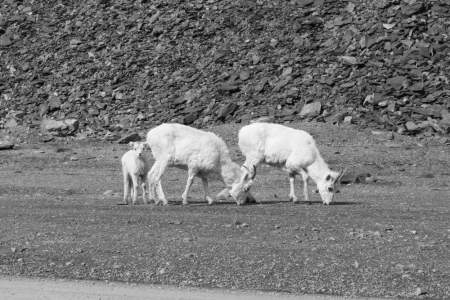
(116, 65)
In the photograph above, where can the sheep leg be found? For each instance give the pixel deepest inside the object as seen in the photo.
(206, 190)
(134, 194)
(161, 192)
(305, 185)
(143, 187)
(126, 187)
(154, 181)
(190, 180)
(151, 188)
(223, 194)
(292, 196)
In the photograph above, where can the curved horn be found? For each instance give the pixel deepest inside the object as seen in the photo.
(254, 172)
(341, 173)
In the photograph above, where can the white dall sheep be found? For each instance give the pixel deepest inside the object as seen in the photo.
(135, 166)
(293, 150)
(202, 153)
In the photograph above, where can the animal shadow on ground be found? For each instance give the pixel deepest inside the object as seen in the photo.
(231, 202)
(318, 202)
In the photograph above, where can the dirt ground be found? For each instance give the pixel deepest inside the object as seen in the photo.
(41, 288)
(389, 237)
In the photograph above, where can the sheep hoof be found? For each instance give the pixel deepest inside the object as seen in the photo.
(209, 200)
(185, 203)
(293, 199)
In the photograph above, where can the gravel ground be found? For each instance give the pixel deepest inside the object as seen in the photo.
(387, 237)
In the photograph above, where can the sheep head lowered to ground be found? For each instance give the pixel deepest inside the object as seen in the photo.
(203, 154)
(292, 150)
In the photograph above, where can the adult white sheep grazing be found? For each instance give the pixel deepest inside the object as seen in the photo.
(135, 166)
(293, 150)
(202, 153)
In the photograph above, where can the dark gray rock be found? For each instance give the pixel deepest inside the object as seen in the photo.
(227, 110)
(397, 82)
(132, 137)
(6, 145)
(190, 117)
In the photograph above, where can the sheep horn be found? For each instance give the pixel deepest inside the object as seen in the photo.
(341, 174)
(254, 172)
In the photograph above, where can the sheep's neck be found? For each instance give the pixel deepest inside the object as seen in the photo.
(318, 169)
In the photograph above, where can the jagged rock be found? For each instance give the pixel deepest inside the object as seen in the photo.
(310, 110)
(445, 121)
(11, 123)
(5, 40)
(351, 60)
(59, 127)
(282, 83)
(383, 135)
(111, 136)
(397, 82)
(6, 145)
(229, 87)
(227, 110)
(172, 62)
(132, 137)
(190, 118)
(54, 103)
(348, 120)
(263, 119)
(356, 177)
(244, 75)
(411, 126)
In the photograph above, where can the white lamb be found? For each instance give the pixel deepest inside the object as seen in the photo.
(135, 167)
(292, 150)
(202, 153)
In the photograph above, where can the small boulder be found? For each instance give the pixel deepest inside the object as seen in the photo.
(397, 82)
(411, 126)
(383, 135)
(59, 127)
(310, 110)
(132, 137)
(350, 60)
(262, 119)
(445, 121)
(356, 177)
(190, 117)
(5, 145)
(226, 110)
